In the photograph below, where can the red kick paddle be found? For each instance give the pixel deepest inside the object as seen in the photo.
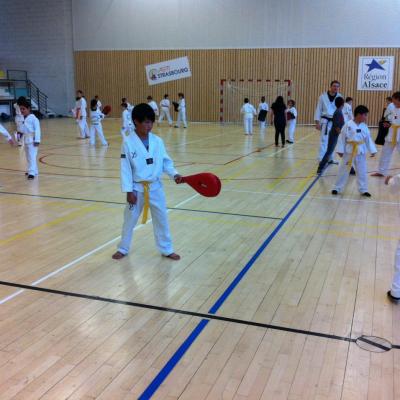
(206, 184)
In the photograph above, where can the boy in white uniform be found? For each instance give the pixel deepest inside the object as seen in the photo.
(392, 139)
(99, 105)
(291, 118)
(31, 137)
(153, 105)
(19, 120)
(80, 114)
(130, 106)
(353, 144)
(181, 111)
(394, 292)
(165, 107)
(95, 124)
(248, 112)
(144, 159)
(323, 117)
(127, 124)
(6, 135)
(262, 112)
(348, 110)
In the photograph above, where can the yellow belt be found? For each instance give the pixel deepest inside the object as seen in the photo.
(146, 200)
(354, 152)
(394, 134)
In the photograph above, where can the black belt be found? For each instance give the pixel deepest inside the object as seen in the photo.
(327, 118)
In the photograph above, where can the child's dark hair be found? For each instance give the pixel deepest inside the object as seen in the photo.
(292, 102)
(246, 100)
(396, 95)
(361, 110)
(181, 95)
(143, 112)
(166, 96)
(124, 105)
(96, 96)
(123, 100)
(339, 101)
(24, 103)
(149, 98)
(263, 98)
(93, 104)
(389, 98)
(335, 81)
(20, 100)
(349, 99)
(79, 91)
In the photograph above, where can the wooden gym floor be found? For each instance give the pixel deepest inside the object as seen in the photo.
(277, 278)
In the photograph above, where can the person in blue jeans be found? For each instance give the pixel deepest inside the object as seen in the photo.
(337, 125)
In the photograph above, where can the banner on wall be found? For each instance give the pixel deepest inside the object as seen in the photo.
(166, 71)
(375, 73)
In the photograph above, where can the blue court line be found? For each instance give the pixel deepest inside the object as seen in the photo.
(170, 365)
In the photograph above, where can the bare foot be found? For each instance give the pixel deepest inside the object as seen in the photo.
(377, 174)
(118, 255)
(173, 256)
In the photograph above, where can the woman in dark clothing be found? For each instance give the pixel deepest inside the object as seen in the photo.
(383, 128)
(278, 117)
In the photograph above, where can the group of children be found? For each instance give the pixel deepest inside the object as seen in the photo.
(281, 116)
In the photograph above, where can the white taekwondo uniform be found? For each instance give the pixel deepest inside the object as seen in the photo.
(154, 106)
(31, 134)
(141, 172)
(181, 114)
(248, 112)
(291, 123)
(323, 114)
(96, 127)
(80, 109)
(127, 124)
(263, 106)
(392, 140)
(165, 105)
(347, 112)
(354, 142)
(5, 133)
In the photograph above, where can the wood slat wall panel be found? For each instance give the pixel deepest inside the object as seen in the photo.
(114, 74)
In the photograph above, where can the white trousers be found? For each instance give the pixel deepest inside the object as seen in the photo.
(291, 125)
(19, 122)
(323, 144)
(97, 129)
(165, 113)
(181, 118)
(386, 157)
(360, 165)
(262, 124)
(248, 125)
(395, 289)
(31, 159)
(158, 208)
(83, 127)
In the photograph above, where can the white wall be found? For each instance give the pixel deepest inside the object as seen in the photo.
(193, 24)
(37, 36)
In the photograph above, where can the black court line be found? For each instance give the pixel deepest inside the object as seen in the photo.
(182, 312)
(370, 342)
(120, 203)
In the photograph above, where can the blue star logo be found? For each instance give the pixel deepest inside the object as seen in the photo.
(375, 65)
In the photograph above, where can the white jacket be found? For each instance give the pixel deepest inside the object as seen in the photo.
(165, 103)
(31, 129)
(394, 119)
(325, 107)
(126, 119)
(96, 117)
(351, 132)
(4, 132)
(135, 168)
(248, 110)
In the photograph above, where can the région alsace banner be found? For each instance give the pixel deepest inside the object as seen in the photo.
(166, 71)
(375, 73)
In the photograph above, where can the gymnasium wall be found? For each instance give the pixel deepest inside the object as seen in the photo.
(216, 24)
(37, 36)
(114, 74)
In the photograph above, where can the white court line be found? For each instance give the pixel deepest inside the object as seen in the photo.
(72, 263)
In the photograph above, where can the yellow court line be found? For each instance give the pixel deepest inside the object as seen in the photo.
(54, 222)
